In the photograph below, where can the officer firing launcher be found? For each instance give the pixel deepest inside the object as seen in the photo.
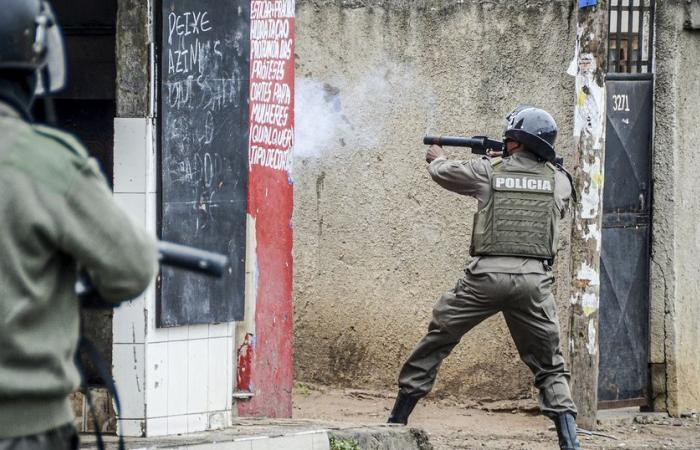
(480, 145)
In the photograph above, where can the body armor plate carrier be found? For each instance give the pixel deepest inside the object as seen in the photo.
(521, 217)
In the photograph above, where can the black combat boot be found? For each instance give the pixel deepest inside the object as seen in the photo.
(566, 431)
(402, 408)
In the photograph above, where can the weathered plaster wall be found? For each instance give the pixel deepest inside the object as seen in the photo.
(376, 241)
(676, 242)
(133, 47)
(688, 220)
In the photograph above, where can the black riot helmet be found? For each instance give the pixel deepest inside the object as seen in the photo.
(533, 127)
(32, 42)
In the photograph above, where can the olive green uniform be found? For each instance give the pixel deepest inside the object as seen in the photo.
(519, 287)
(57, 212)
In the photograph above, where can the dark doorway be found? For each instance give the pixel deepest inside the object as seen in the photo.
(624, 292)
(86, 108)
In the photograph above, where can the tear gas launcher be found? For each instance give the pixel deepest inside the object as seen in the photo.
(480, 145)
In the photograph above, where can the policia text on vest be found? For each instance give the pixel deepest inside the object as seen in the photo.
(523, 183)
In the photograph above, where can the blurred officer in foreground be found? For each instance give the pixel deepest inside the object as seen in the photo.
(58, 217)
(522, 197)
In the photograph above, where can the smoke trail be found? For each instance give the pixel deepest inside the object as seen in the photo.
(351, 114)
(317, 116)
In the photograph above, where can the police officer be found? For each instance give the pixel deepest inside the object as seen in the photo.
(58, 217)
(522, 197)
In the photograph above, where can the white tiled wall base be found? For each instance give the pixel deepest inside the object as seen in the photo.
(171, 380)
(187, 423)
(315, 440)
(131, 427)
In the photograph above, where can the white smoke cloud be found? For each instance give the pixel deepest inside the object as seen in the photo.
(349, 114)
(317, 121)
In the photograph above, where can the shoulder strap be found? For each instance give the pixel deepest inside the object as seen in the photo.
(65, 139)
(496, 161)
(574, 193)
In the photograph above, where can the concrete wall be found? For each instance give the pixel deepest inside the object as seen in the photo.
(676, 242)
(376, 241)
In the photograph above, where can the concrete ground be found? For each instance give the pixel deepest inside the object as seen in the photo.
(496, 425)
(273, 434)
(349, 419)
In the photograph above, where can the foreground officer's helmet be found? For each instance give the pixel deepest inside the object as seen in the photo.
(31, 41)
(533, 127)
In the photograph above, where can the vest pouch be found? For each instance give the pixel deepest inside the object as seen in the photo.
(481, 230)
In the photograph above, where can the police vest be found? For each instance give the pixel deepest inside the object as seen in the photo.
(521, 217)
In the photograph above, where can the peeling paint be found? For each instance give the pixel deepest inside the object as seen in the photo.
(590, 106)
(245, 363)
(573, 65)
(588, 275)
(590, 303)
(575, 298)
(593, 233)
(590, 197)
(591, 346)
(590, 97)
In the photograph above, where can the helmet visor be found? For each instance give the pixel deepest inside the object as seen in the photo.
(52, 76)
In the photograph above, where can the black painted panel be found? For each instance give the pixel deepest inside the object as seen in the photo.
(204, 67)
(624, 314)
(628, 137)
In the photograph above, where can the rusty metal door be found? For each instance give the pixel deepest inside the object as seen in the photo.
(624, 279)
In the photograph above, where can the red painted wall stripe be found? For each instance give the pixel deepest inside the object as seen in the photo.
(265, 364)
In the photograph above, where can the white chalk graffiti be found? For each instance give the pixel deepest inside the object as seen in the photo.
(187, 23)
